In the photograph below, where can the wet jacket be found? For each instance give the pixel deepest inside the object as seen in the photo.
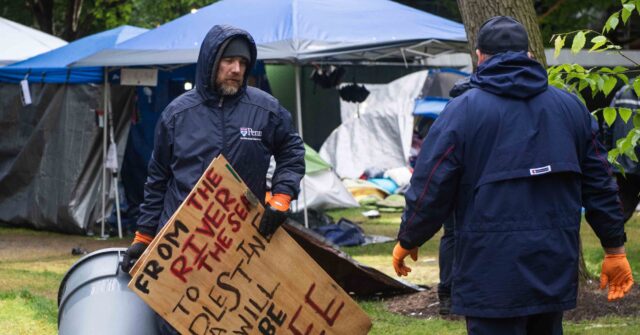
(514, 160)
(624, 98)
(247, 128)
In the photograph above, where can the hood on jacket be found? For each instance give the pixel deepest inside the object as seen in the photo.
(511, 74)
(210, 53)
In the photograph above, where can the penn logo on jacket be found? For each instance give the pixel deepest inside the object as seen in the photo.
(250, 134)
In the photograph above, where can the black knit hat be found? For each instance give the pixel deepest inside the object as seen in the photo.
(238, 47)
(501, 34)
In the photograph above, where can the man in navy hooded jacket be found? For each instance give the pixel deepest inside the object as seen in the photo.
(514, 160)
(222, 115)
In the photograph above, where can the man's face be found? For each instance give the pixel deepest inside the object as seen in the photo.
(230, 74)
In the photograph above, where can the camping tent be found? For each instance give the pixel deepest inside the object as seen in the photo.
(380, 137)
(21, 42)
(322, 187)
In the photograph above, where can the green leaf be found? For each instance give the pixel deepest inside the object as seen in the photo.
(625, 114)
(636, 86)
(583, 84)
(637, 2)
(578, 68)
(619, 69)
(636, 120)
(600, 83)
(578, 42)
(627, 9)
(558, 44)
(609, 84)
(609, 115)
(612, 22)
(597, 41)
(624, 78)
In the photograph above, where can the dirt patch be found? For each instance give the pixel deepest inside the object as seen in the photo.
(592, 304)
(24, 247)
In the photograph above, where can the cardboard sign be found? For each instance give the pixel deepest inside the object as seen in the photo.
(139, 77)
(209, 271)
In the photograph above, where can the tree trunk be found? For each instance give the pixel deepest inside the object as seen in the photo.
(476, 12)
(43, 14)
(72, 19)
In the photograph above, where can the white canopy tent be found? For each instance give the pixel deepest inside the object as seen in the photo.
(20, 42)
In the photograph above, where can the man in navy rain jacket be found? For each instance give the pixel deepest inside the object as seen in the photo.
(514, 160)
(222, 115)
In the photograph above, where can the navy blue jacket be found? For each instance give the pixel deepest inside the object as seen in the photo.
(247, 128)
(514, 160)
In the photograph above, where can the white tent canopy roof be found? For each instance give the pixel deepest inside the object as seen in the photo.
(20, 42)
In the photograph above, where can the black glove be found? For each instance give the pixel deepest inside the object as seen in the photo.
(271, 220)
(131, 255)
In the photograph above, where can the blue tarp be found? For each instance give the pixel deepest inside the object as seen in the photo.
(52, 66)
(435, 93)
(290, 30)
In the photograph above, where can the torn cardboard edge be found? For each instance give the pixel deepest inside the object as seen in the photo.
(356, 279)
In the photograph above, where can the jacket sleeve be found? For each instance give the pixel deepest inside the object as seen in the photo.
(158, 176)
(288, 153)
(431, 196)
(603, 210)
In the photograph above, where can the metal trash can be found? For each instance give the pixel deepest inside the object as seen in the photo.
(94, 299)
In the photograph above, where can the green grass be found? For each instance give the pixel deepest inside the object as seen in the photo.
(29, 285)
(385, 323)
(21, 312)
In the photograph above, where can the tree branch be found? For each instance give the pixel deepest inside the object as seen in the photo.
(550, 10)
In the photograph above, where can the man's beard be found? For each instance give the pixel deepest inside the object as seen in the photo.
(227, 89)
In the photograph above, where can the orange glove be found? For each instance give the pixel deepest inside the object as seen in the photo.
(280, 202)
(399, 254)
(617, 273)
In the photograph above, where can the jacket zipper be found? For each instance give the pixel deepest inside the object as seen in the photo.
(224, 126)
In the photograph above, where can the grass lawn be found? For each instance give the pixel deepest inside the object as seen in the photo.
(32, 264)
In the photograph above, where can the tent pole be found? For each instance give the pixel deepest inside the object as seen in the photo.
(299, 119)
(105, 116)
(114, 173)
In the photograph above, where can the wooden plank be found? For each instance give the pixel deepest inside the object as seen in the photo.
(210, 272)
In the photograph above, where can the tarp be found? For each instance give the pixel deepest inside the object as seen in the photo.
(50, 154)
(294, 30)
(320, 187)
(20, 42)
(377, 132)
(51, 67)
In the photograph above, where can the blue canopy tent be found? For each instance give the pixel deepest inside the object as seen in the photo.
(298, 32)
(52, 66)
